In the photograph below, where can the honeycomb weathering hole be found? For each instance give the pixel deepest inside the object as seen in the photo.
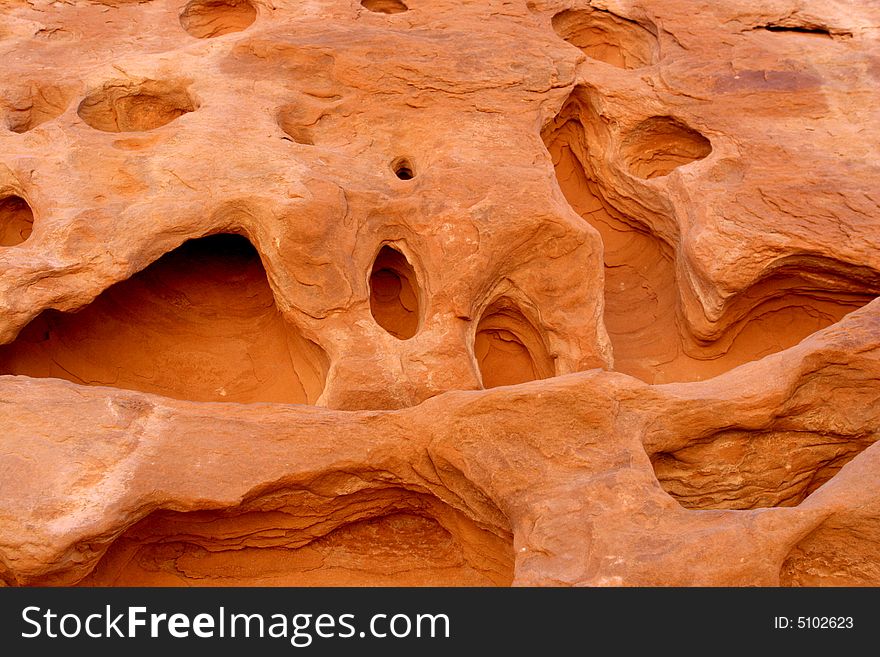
(16, 221)
(385, 6)
(200, 324)
(403, 168)
(205, 19)
(660, 144)
(292, 120)
(643, 313)
(607, 37)
(508, 347)
(34, 105)
(747, 469)
(125, 106)
(395, 538)
(395, 294)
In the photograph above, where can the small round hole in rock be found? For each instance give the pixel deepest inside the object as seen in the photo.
(384, 6)
(126, 106)
(394, 294)
(206, 19)
(16, 221)
(403, 169)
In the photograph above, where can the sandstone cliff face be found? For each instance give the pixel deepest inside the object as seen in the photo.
(430, 292)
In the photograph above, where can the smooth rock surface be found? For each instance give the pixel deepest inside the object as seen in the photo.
(424, 292)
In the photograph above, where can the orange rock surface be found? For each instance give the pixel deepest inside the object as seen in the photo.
(422, 292)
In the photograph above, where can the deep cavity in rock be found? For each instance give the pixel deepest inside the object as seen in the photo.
(508, 347)
(643, 301)
(199, 324)
(388, 537)
(395, 294)
(16, 220)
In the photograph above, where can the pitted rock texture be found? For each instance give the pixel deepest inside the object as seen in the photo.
(435, 293)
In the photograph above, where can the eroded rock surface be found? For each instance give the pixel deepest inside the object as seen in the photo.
(439, 293)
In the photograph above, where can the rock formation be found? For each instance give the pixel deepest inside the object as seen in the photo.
(408, 292)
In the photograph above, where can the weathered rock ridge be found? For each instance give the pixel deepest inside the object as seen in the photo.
(417, 292)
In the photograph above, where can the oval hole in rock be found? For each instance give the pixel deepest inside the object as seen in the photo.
(661, 144)
(403, 168)
(607, 37)
(16, 221)
(206, 19)
(200, 323)
(508, 348)
(385, 6)
(125, 106)
(395, 294)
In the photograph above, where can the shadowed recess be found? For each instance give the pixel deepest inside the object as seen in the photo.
(33, 105)
(298, 123)
(385, 6)
(807, 29)
(118, 3)
(403, 168)
(643, 313)
(607, 37)
(125, 106)
(199, 324)
(740, 469)
(16, 220)
(395, 294)
(206, 19)
(385, 537)
(508, 347)
(661, 144)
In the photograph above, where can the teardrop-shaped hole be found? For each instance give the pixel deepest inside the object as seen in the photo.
(394, 294)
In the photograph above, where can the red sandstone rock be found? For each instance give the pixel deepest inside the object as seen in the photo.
(281, 252)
